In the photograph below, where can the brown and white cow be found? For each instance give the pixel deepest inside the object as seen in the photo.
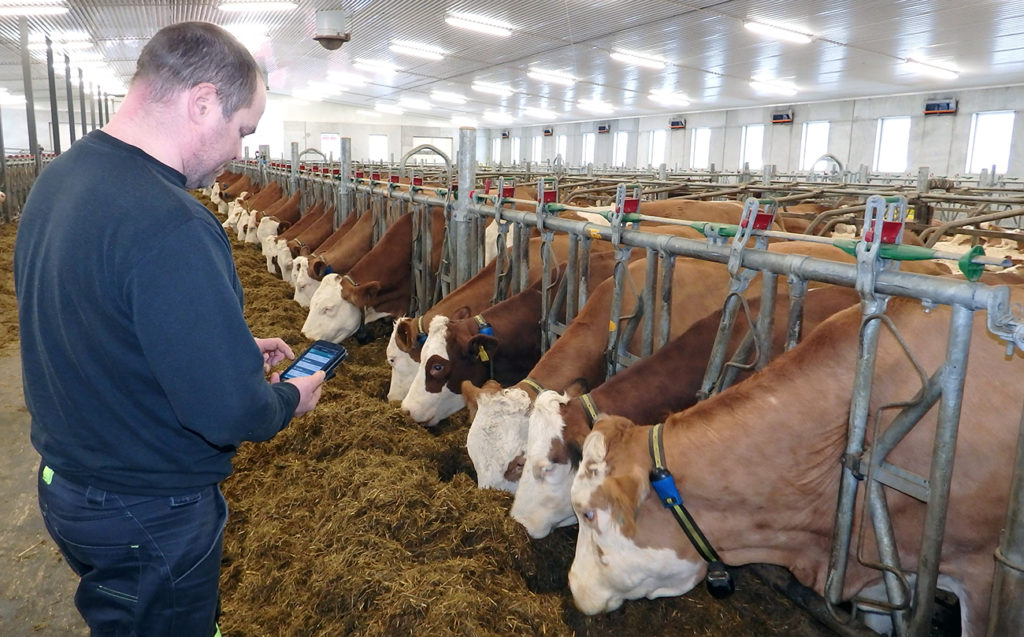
(269, 245)
(337, 254)
(378, 285)
(781, 434)
(646, 392)
(284, 250)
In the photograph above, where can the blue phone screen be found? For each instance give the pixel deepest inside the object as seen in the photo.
(309, 363)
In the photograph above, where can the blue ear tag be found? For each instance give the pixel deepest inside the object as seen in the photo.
(328, 270)
(488, 330)
(421, 339)
(665, 486)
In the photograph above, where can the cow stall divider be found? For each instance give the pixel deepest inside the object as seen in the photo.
(876, 279)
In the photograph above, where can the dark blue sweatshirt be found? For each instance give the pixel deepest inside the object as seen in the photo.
(140, 372)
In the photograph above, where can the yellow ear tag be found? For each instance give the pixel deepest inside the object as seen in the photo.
(483, 354)
(611, 326)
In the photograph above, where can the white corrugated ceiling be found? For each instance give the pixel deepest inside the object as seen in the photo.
(859, 48)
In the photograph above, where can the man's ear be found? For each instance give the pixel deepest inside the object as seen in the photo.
(203, 102)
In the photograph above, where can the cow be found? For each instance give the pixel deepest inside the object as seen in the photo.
(269, 244)
(699, 288)
(337, 254)
(378, 285)
(409, 334)
(284, 250)
(646, 392)
(757, 467)
(286, 208)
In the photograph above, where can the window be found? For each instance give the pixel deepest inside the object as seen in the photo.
(990, 141)
(561, 146)
(656, 147)
(330, 145)
(752, 147)
(619, 146)
(700, 149)
(378, 148)
(443, 144)
(814, 144)
(496, 150)
(515, 151)
(588, 148)
(892, 139)
(538, 149)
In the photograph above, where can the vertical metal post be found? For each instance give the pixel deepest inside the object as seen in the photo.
(922, 178)
(1006, 613)
(95, 98)
(30, 102)
(71, 98)
(460, 217)
(344, 208)
(5, 208)
(51, 82)
(81, 100)
(106, 107)
(293, 172)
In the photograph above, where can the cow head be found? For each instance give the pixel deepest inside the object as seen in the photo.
(617, 558)
(542, 499)
(330, 318)
(496, 441)
(403, 365)
(283, 256)
(305, 285)
(430, 398)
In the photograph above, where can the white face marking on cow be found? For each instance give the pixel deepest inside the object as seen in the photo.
(252, 231)
(423, 406)
(284, 260)
(608, 567)
(498, 436)
(268, 247)
(232, 209)
(305, 285)
(242, 225)
(403, 368)
(331, 318)
(267, 228)
(542, 499)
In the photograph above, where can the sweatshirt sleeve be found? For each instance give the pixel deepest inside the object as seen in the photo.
(186, 302)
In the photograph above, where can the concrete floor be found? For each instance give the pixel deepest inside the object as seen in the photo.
(36, 586)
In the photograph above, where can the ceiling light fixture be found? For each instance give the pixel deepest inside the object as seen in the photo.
(390, 109)
(480, 24)
(778, 32)
(463, 122)
(417, 49)
(32, 10)
(668, 98)
(554, 77)
(255, 7)
(377, 67)
(498, 117)
(918, 65)
(365, 113)
(414, 103)
(778, 87)
(638, 59)
(596, 106)
(448, 98)
(492, 88)
(540, 113)
(346, 78)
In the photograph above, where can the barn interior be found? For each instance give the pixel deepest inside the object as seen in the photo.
(357, 521)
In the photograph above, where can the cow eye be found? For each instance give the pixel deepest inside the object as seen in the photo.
(589, 515)
(436, 369)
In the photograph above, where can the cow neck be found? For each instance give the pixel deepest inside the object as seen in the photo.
(786, 460)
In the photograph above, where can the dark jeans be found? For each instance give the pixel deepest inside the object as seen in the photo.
(149, 565)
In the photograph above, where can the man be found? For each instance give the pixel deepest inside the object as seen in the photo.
(140, 373)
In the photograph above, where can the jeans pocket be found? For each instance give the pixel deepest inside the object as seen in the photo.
(209, 543)
(120, 566)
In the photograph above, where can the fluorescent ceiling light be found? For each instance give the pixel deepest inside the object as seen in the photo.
(365, 113)
(554, 77)
(448, 98)
(540, 113)
(391, 109)
(595, 106)
(33, 10)
(255, 7)
(778, 32)
(668, 98)
(498, 117)
(930, 68)
(492, 88)
(377, 67)
(479, 24)
(778, 87)
(417, 49)
(462, 121)
(638, 59)
(346, 78)
(414, 103)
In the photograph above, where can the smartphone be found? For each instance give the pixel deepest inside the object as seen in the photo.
(323, 355)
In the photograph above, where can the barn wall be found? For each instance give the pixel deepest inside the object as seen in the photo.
(939, 142)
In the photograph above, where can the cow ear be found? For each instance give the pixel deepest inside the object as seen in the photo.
(282, 226)
(577, 387)
(368, 292)
(317, 269)
(487, 343)
(403, 334)
(462, 313)
(514, 471)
